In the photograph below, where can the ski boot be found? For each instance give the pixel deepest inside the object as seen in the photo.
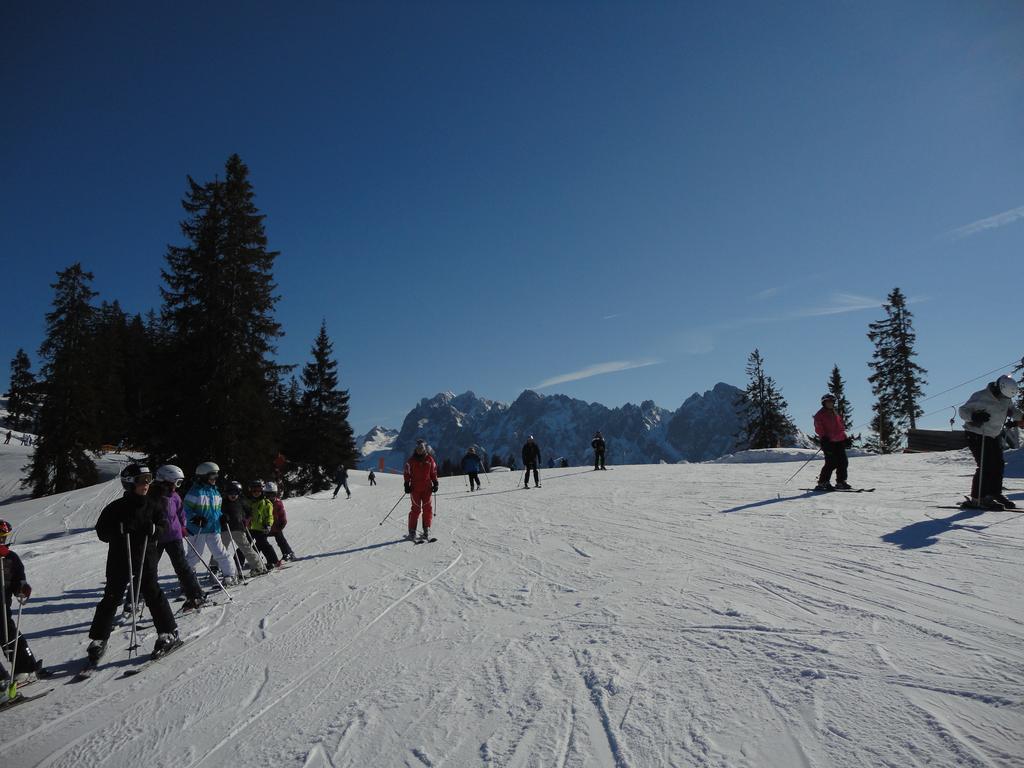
(823, 487)
(425, 534)
(165, 642)
(411, 535)
(96, 650)
(843, 487)
(1007, 504)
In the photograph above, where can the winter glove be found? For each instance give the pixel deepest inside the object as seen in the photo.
(433, 486)
(25, 593)
(408, 487)
(979, 417)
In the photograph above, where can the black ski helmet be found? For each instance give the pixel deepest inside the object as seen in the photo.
(133, 474)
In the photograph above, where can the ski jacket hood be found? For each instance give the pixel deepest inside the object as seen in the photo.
(828, 425)
(202, 509)
(995, 405)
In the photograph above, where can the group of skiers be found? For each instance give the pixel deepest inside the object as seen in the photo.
(986, 415)
(151, 518)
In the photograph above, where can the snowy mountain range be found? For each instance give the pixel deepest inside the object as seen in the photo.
(704, 427)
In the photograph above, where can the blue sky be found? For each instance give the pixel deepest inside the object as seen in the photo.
(618, 201)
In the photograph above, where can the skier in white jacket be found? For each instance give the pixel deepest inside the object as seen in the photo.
(984, 415)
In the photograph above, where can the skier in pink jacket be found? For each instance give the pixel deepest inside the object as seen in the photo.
(829, 427)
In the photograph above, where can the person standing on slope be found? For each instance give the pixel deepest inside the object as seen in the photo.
(372, 478)
(984, 414)
(131, 526)
(202, 519)
(233, 518)
(280, 521)
(13, 584)
(598, 445)
(341, 480)
(831, 432)
(164, 489)
(420, 482)
(261, 519)
(472, 465)
(531, 460)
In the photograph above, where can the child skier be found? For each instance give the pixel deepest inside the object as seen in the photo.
(280, 521)
(341, 480)
(472, 465)
(167, 480)
(202, 517)
(131, 526)
(13, 584)
(233, 518)
(261, 519)
(420, 482)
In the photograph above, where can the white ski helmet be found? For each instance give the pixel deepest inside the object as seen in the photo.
(169, 473)
(270, 487)
(207, 468)
(1007, 386)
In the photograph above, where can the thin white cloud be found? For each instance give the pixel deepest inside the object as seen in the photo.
(841, 303)
(767, 293)
(596, 370)
(612, 317)
(992, 222)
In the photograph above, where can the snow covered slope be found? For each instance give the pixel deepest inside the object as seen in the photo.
(14, 457)
(687, 615)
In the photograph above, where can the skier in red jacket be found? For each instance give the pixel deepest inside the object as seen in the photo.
(420, 483)
(829, 427)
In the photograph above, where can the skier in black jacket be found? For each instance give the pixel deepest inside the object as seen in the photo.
(531, 460)
(598, 445)
(134, 523)
(13, 584)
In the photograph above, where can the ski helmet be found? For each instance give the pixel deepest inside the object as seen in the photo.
(134, 474)
(828, 396)
(5, 531)
(169, 473)
(234, 488)
(1007, 386)
(207, 468)
(270, 487)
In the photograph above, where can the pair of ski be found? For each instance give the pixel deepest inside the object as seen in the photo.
(91, 666)
(22, 698)
(839, 490)
(526, 487)
(422, 540)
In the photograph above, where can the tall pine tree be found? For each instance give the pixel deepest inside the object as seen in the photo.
(21, 399)
(219, 313)
(325, 437)
(763, 409)
(837, 387)
(897, 379)
(67, 418)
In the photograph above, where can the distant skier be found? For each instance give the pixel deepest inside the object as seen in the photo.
(831, 432)
(984, 414)
(280, 521)
(599, 447)
(472, 465)
(420, 482)
(13, 584)
(131, 526)
(372, 478)
(8, 438)
(531, 460)
(341, 478)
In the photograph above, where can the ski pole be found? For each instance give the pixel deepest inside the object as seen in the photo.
(981, 471)
(392, 510)
(207, 566)
(12, 691)
(234, 546)
(802, 467)
(131, 586)
(3, 604)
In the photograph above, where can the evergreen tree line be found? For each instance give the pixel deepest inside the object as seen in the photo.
(195, 381)
(897, 383)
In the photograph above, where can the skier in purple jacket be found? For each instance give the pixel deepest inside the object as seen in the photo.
(168, 480)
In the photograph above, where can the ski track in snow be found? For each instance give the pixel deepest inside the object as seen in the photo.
(596, 622)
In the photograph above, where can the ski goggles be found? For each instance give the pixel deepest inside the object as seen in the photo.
(145, 478)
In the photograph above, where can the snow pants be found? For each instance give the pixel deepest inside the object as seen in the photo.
(598, 459)
(117, 582)
(265, 549)
(536, 474)
(990, 476)
(373, 481)
(26, 661)
(186, 576)
(420, 503)
(835, 461)
(282, 543)
(203, 541)
(474, 477)
(244, 552)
